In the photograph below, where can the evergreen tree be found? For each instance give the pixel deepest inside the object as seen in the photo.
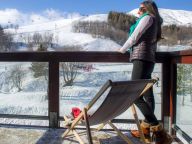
(121, 20)
(40, 68)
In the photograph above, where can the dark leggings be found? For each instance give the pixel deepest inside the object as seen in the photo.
(146, 103)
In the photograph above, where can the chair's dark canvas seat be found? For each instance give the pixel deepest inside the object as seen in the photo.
(121, 96)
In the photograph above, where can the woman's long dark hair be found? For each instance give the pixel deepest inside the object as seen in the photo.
(152, 8)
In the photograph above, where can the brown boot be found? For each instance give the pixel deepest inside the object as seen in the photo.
(145, 127)
(159, 135)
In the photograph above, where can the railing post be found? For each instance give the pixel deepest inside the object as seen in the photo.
(169, 76)
(53, 94)
(166, 85)
(173, 95)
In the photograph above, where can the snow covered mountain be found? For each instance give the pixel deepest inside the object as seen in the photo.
(178, 17)
(14, 16)
(62, 31)
(60, 25)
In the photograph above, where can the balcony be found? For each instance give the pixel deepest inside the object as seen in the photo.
(173, 103)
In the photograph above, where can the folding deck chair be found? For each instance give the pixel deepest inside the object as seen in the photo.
(121, 95)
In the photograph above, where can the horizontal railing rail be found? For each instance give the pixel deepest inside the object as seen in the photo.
(15, 116)
(76, 56)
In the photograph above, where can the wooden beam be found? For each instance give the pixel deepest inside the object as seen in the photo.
(53, 94)
(166, 86)
(87, 126)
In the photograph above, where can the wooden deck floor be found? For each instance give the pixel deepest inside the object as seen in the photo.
(34, 135)
(28, 135)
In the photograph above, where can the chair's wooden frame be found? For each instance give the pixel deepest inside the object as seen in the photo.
(83, 115)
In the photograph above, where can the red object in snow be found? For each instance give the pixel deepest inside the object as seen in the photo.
(75, 112)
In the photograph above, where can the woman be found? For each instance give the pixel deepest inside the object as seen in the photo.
(142, 44)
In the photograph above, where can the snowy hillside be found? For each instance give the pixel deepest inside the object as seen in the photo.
(60, 25)
(62, 30)
(14, 16)
(178, 17)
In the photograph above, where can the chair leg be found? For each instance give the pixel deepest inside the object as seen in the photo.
(74, 132)
(100, 126)
(74, 123)
(125, 138)
(78, 137)
(138, 123)
(87, 126)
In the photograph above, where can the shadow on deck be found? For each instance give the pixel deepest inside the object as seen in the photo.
(31, 135)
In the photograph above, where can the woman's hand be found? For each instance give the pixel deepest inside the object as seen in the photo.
(120, 50)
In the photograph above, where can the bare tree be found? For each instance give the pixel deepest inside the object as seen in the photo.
(43, 39)
(69, 69)
(69, 72)
(37, 38)
(28, 39)
(47, 39)
(17, 76)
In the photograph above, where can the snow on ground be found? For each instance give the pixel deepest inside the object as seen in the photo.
(24, 103)
(164, 48)
(86, 85)
(46, 26)
(102, 45)
(62, 31)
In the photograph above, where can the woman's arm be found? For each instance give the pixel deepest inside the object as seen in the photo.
(143, 25)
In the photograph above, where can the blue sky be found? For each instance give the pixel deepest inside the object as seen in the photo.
(89, 6)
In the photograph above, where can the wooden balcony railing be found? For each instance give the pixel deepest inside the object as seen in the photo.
(169, 76)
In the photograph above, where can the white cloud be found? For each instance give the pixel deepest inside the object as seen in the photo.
(9, 16)
(14, 16)
(56, 14)
(72, 15)
(53, 14)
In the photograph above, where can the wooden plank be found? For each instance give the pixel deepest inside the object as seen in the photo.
(74, 132)
(78, 137)
(53, 94)
(100, 126)
(75, 122)
(79, 56)
(166, 86)
(75, 56)
(173, 96)
(87, 126)
(15, 116)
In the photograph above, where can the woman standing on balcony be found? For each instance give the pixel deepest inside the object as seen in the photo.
(142, 44)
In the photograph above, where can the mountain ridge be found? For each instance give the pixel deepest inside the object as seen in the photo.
(62, 28)
(170, 16)
(13, 16)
